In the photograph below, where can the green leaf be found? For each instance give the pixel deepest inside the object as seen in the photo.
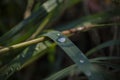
(76, 55)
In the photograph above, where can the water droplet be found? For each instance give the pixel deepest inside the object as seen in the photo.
(61, 39)
(81, 61)
(58, 34)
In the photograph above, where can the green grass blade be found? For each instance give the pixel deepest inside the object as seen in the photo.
(27, 56)
(65, 72)
(106, 44)
(34, 18)
(62, 73)
(76, 55)
(93, 19)
(105, 58)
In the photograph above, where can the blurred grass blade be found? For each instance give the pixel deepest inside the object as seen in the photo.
(92, 19)
(108, 64)
(54, 15)
(105, 61)
(73, 68)
(47, 7)
(21, 36)
(62, 73)
(105, 58)
(29, 54)
(36, 20)
(99, 47)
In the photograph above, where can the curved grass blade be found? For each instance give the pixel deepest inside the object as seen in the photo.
(76, 55)
(65, 72)
(105, 61)
(108, 64)
(62, 73)
(106, 44)
(105, 58)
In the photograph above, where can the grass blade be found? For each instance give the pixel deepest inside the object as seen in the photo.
(34, 18)
(106, 44)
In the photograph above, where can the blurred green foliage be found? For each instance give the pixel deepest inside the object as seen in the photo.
(88, 23)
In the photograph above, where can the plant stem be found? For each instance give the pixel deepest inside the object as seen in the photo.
(21, 45)
(34, 41)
